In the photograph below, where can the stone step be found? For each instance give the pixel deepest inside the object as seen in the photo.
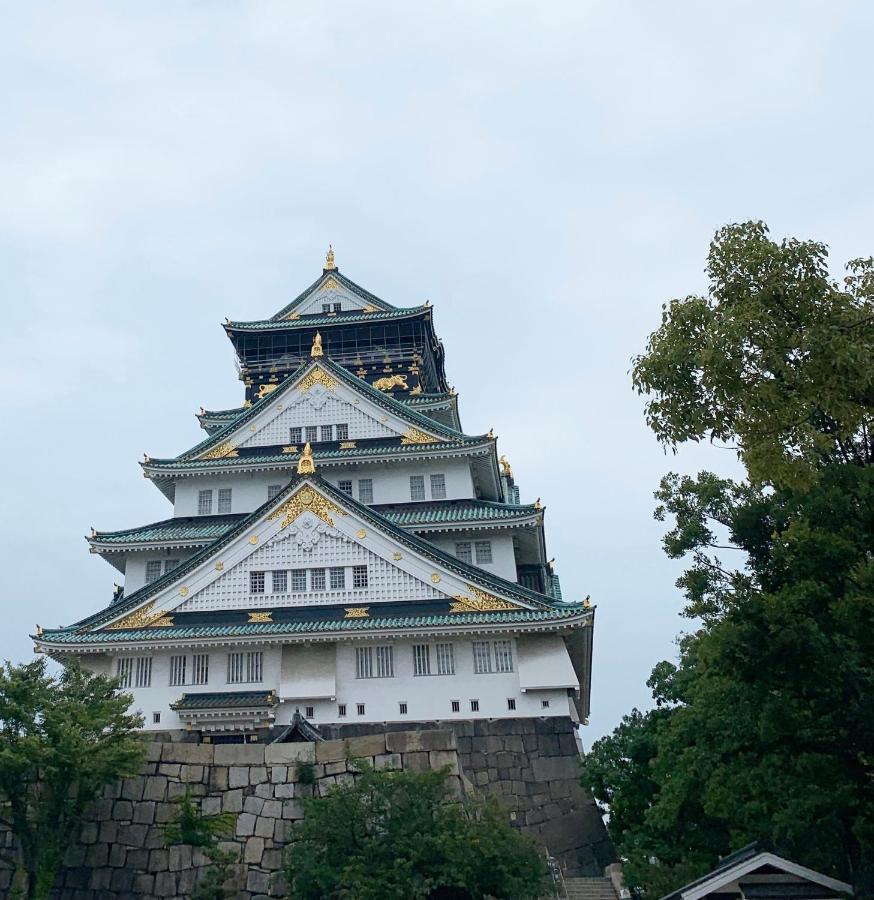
(589, 889)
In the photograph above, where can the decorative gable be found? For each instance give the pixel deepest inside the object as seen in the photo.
(329, 296)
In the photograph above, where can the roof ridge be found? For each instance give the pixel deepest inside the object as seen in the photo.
(348, 283)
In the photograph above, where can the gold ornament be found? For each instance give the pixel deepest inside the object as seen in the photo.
(266, 389)
(505, 467)
(392, 381)
(266, 616)
(306, 500)
(305, 465)
(140, 618)
(183, 591)
(163, 622)
(480, 602)
(317, 376)
(317, 346)
(414, 436)
(361, 534)
(330, 265)
(221, 451)
(356, 612)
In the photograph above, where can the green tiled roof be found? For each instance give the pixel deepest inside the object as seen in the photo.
(348, 283)
(184, 528)
(348, 317)
(426, 399)
(225, 700)
(222, 413)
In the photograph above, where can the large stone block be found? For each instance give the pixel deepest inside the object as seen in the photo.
(144, 812)
(180, 858)
(153, 751)
(108, 832)
(190, 773)
(253, 851)
(278, 774)
(159, 860)
(144, 884)
(132, 835)
(415, 741)
(122, 880)
(193, 754)
(97, 855)
(416, 762)
(288, 754)
(253, 805)
(239, 755)
(132, 788)
(156, 787)
(550, 768)
(257, 775)
(437, 759)
(258, 882)
(165, 884)
(245, 824)
(218, 778)
(284, 791)
(272, 809)
(264, 827)
(171, 770)
(211, 806)
(265, 790)
(238, 776)
(232, 801)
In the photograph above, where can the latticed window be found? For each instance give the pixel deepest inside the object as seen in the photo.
(256, 582)
(317, 579)
(421, 659)
(338, 307)
(279, 582)
(455, 705)
(143, 676)
(327, 432)
(204, 503)
(345, 486)
(511, 703)
(312, 433)
(343, 431)
(482, 657)
(338, 578)
(364, 662)
(254, 666)
(483, 552)
(341, 709)
(273, 490)
(360, 709)
(298, 579)
(445, 659)
(503, 656)
(224, 501)
(463, 551)
(359, 576)
(365, 490)
(295, 435)
(326, 307)
(438, 487)
(245, 667)
(474, 705)
(309, 712)
(200, 668)
(402, 708)
(417, 487)
(177, 670)
(385, 662)
(153, 570)
(170, 564)
(123, 671)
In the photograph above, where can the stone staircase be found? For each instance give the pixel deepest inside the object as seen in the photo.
(589, 889)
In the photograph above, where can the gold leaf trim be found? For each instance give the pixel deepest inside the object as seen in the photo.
(140, 618)
(306, 500)
(163, 622)
(266, 389)
(222, 451)
(317, 376)
(392, 381)
(414, 436)
(266, 616)
(290, 449)
(357, 612)
(347, 445)
(361, 534)
(480, 602)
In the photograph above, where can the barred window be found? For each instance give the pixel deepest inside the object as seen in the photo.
(341, 710)
(317, 579)
(421, 659)
(312, 434)
(456, 705)
(256, 582)
(326, 307)
(364, 662)
(309, 712)
(204, 503)
(298, 579)
(156, 718)
(511, 703)
(123, 671)
(462, 551)
(483, 552)
(338, 578)
(273, 490)
(153, 570)
(385, 662)
(345, 486)
(359, 576)
(170, 565)
(374, 662)
(143, 671)
(327, 432)
(338, 307)
(445, 659)
(254, 666)
(343, 432)
(279, 581)
(245, 667)
(177, 670)
(482, 657)
(360, 709)
(544, 704)
(235, 668)
(365, 490)
(402, 708)
(503, 656)
(295, 435)
(224, 501)
(438, 487)
(417, 487)
(200, 668)
(474, 705)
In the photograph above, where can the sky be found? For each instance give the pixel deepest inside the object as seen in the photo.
(547, 175)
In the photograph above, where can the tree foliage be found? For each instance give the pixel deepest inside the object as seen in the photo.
(395, 835)
(764, 728)
(62, 740)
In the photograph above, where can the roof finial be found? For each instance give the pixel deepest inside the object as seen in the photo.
(305, 465)
(330, 265)
(317, 346)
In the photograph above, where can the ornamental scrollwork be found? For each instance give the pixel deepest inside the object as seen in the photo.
(306, 500)
(140, 618)
(480, 602)
(221, 451)
(414, 436)
(317, 376)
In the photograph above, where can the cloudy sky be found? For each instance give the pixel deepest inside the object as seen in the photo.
(547, 174)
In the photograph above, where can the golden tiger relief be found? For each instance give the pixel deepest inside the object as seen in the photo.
(393, 381)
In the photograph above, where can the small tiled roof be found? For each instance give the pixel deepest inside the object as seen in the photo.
(348, 317)
(225, 700)
(183, 528)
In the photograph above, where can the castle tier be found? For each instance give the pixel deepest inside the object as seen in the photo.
(338, 546)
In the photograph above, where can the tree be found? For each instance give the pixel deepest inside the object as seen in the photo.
(764, 729)
(62, 740)
(395, 835)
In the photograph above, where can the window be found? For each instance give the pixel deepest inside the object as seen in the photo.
(204, 503)
(245, 667)
(364, 662)
(483, 552)
(327, 432)
(235, 668)
(359, 576)
(279, 582)
(421, 659)
(511, 703)
(365, 490)
(462, 551)
(256, 582)
(503, 656)
(156, 718)
(360, 709)
(385, 662)
(326, 307)
(143, 671)
(343, 432)
(200, 668)
(295, 435)
(224, 501)
(438, 487)
(417, 487)
(402, 708)
(338, 307)
(123, 670)
(273, 490)
(474, 705)
(338, 578)
(456, 706)
(312, 434)
(309, 712)
(445, 659)
(153, 570)
(383, 656)
(170, 565)
(544, 704)
(298, 579)
(341, 710)
(345, 487)
(254, 666)
(317, 579)
(482, 657)
(177, 670)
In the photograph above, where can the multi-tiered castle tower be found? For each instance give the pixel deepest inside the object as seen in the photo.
(338, 546)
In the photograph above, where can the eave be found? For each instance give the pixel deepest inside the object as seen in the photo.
(351, 317)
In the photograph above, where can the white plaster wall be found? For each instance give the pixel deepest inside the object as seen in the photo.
(503, 555)
(135, 566)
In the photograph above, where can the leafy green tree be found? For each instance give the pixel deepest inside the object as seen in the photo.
(395, 835)
(62, 740)
(764, 729)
